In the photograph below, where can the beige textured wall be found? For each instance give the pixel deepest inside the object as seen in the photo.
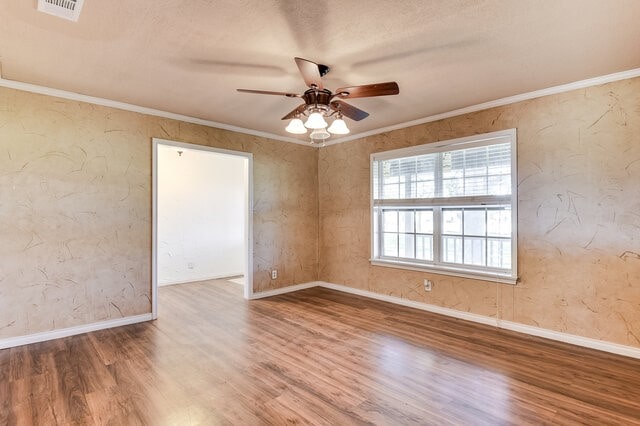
(578, 224)
(75, 210)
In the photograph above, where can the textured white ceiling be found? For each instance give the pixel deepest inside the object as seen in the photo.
(189, 56)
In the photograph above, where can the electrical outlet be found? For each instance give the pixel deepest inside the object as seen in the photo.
(190, 265)
(274, 274)
(428, 285)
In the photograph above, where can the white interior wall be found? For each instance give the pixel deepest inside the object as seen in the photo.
(201, 215)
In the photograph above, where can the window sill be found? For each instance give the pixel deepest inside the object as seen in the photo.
(445, 270)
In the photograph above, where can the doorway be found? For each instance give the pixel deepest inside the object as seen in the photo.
(202, 216)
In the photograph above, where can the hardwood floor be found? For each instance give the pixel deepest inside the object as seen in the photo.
(315, 356)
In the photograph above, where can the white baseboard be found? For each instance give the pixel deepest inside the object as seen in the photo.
(413, 304)
(573, 339)
(198, 279)
(284, 290)
(586, 342)
(71, 331)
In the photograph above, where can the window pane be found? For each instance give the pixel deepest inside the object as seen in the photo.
(424, 221)
(426, 189)
(452, 249)
(475, 186)
(390, 245)
(425, 167)
(424, 247)
(407, 166)
(474, 251)
(500, 185)
(499, 157)
(390, 171)
(452, 222)
(452, 187)
(407, 174)
(499, 251)
(477, 171)
(452, 164)
(475, 161)
(391, 191)
(405, 223)
(406, 246)
(499, 223)
(474, 222)
(391, 179)
(499, 168)
(407, 188)
(390, 221)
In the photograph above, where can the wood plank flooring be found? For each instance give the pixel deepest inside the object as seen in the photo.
(311, 357)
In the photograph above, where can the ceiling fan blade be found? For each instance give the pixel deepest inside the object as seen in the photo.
(350, 111)
(312, 73)
(299, 110)
(368, 90)
(266, 92)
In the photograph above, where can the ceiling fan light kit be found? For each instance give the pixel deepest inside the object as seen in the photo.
(320, 103)
(338, 127)
(296, 127)
(315, 121)
(319, 135)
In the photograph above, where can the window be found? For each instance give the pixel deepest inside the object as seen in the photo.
(449, 207)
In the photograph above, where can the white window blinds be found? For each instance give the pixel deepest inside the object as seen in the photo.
(478, 171)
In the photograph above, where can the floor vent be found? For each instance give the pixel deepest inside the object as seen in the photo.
(67, 9)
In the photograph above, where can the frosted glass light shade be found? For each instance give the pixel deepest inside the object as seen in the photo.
(319, 134)
(316, 121)
(295, 126)
(338, 127)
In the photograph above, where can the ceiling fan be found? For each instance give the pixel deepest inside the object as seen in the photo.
(320, 102)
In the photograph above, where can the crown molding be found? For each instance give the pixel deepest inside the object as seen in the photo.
(596, 81)
(42, 90)
(581, 84)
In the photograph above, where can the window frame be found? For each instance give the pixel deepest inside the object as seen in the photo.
(485, 201)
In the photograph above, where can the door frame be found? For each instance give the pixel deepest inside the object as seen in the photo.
(248, 238)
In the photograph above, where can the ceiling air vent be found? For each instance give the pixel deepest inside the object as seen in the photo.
(67, 9)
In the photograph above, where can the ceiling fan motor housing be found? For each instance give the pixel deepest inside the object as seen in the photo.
(317, 97)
